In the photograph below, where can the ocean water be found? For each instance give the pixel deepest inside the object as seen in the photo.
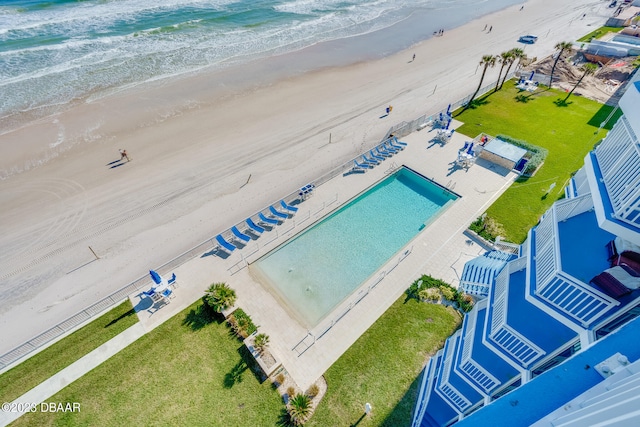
(57, 52)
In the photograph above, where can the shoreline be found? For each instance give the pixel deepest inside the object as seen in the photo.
(234, 76)
(184, 182)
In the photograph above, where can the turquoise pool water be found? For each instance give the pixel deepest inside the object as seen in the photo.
(317, 270)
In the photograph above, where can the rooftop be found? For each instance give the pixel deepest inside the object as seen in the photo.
(545, 393)
(505, 150)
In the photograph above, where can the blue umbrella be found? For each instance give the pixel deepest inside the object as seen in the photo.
(155, 276)
(531, 76)
(449, 109)
(448, 123)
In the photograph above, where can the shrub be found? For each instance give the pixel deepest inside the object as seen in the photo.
(291, 391)
(299, 409)
(313, 391)
(280, 378)
(448, 293)
(220, 296)
(260, 342)
(427, 286)
(241, 323)
(536, 154)
(430, 294)
(487, 228)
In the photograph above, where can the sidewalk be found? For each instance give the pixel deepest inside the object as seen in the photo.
(48, 388)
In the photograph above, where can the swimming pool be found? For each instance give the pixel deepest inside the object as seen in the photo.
(321, 267)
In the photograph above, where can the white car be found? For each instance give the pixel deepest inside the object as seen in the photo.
(529, 39)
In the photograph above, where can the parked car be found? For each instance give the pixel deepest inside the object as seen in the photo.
(529, 39)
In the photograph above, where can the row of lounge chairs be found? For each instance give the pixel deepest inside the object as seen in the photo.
(378, 154)
(271, 218)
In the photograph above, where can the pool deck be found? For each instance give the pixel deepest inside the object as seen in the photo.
(440, 250)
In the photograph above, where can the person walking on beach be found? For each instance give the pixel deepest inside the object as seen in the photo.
(390, 108)
(485, 27)
(123, 155)
(414, 57)
(490, 28)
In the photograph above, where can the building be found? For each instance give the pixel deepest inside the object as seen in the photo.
(554, 337)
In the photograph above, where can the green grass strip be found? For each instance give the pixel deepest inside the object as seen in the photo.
(596, 34)
(383, 366)
(568, 131)
(189, 371)
(22, 378)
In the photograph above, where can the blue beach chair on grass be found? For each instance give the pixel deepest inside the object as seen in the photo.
(254, 227)
(288, 207)
(240, 235)
(268, 221)
(224, 244)
(277, 214)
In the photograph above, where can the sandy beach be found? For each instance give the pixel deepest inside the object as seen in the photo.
(203, 162)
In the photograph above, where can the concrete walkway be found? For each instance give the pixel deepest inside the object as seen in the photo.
(440, 250)
(50, 387)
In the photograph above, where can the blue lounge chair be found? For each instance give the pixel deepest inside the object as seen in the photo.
(151, 292)
(224, 244)
(172, 280)
(265, 220)
(370, 161)
(375, 156)
(466, 145)
(470, 149)
(254, 227)
(240, 235)
(381, 151)
(288, 207)
(393, 146)
(397, 142)
(390, 148)
(167, 293)
(277, 214)
(361, 165)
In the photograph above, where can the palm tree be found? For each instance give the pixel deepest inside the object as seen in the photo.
(487, 61)
(220, 296)
(504, 58)
(260, 342)
(299, 409)
(587, 69)
(562, 46)
(516, 54)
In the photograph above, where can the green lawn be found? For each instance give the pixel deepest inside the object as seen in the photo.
(43, 365)
(190, 371)
(596, 34)
(568, 132)
(383, 366)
